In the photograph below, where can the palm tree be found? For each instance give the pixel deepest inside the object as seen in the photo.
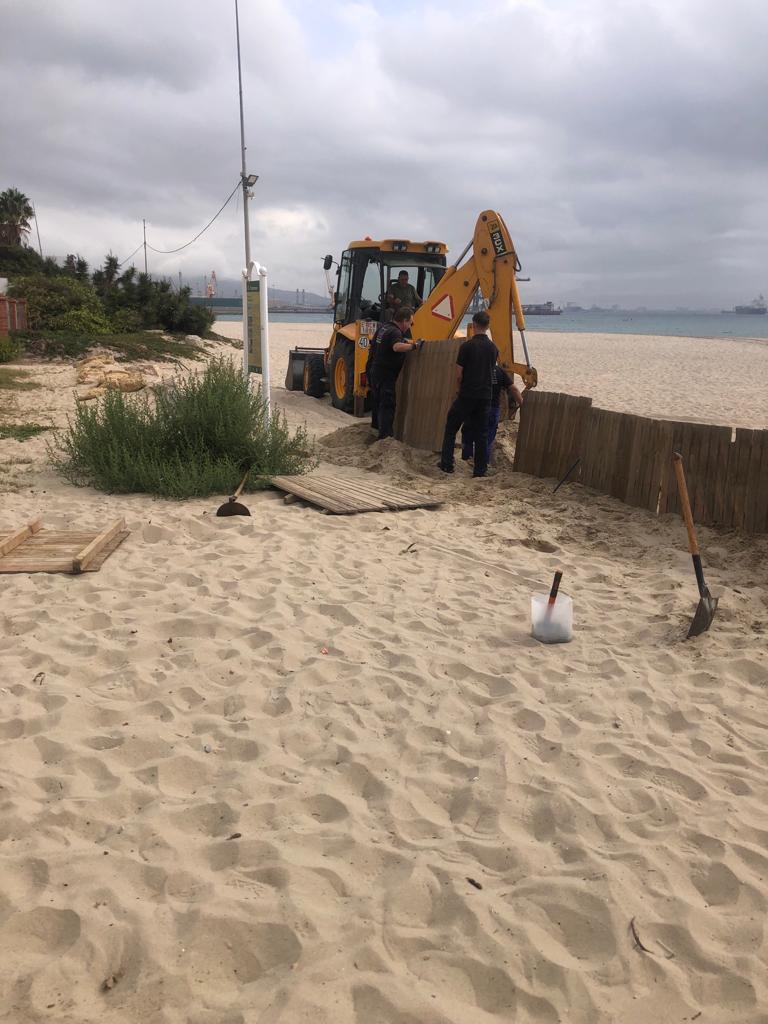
(15, 214)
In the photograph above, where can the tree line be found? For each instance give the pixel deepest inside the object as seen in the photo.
(69, 297)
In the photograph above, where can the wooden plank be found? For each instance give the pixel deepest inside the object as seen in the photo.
(355, 488)
(718, 469)
(19, 536)
(56, 557)
(751, 510)
(589, 448)
(741, 453)
(524, 446)
(425, 389)
(343, 495)
(569, 418)
(680, 434)
(375, 485)
(661, 467)
(89, 552)
(761, 500)
(549, 432)
(548, 426)
(305, 492)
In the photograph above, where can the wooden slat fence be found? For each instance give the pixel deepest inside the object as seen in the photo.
(630, 458)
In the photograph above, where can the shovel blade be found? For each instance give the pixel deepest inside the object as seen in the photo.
(232, 508)
(705, 612)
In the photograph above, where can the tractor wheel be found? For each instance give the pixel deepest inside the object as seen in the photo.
(314, 376)
(341, 376)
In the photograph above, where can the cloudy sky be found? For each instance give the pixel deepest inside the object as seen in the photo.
(624, 141)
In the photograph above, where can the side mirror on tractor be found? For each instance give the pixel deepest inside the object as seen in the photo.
(327, 262)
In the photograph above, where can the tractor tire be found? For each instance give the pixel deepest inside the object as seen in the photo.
(314, 376)
(341, 376)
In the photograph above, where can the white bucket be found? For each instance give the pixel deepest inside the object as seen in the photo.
(552, 624)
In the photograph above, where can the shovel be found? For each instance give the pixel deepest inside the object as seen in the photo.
(232, 507)
(705, 612)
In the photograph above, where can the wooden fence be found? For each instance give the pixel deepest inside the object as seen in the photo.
(630, 458)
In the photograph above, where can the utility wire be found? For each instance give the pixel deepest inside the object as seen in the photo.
(168, 252)
(120, 264)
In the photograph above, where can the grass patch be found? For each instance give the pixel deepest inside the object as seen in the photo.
(194, 438)
(15, 380)
(20, 431)
(127, 347)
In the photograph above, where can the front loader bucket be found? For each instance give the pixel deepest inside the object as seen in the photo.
(294, 377)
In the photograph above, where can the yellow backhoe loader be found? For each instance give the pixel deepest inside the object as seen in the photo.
(365, 273)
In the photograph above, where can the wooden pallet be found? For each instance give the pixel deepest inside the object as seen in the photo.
(34, 549)
(343, 495)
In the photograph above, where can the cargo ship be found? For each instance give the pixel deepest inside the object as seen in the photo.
(541, 309)
(755, 306)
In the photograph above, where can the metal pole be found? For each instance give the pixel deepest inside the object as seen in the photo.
(244, 176)
(37, 227)
(145, 246)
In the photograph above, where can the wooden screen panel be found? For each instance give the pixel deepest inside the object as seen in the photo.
(425, 389)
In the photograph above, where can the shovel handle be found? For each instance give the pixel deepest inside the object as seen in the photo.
(685, 504)
(239, 490)
(555, 588)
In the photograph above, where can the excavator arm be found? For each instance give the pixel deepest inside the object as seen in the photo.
(491, 267)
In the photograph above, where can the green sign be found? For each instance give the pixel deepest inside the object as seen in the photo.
(254, 326)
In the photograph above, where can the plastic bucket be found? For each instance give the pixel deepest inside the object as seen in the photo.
(552, 624)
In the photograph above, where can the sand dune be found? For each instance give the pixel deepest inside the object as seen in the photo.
(305, 768)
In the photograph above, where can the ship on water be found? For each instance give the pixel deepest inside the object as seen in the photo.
(757, 305)
(541, 309)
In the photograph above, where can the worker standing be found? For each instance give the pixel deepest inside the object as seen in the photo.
(501, 382)
(474, 378)
(392, 346)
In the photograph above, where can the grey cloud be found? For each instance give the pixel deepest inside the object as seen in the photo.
(621, 141)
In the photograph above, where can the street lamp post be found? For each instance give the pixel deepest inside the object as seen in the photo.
(248, 181)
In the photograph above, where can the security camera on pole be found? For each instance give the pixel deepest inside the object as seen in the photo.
(249, 180)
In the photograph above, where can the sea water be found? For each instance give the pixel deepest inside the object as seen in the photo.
(671, 324)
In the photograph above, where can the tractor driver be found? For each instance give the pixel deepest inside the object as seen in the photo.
(386, 362)
(400, 293)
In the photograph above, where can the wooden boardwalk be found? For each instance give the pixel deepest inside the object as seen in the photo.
(344, 495)
(31, 548)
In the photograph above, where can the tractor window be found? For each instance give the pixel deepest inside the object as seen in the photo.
(344, 289)
(370, 304)
(422, 278)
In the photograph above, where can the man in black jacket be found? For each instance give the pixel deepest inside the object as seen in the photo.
(474, 377)
(390, 349)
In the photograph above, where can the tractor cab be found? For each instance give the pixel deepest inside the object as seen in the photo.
(368, 268)
(365, 273)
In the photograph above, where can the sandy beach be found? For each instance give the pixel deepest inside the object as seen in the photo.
(302, 768)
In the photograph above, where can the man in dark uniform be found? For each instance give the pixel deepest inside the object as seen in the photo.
(390, 349)
(474, 376)
(501, 382)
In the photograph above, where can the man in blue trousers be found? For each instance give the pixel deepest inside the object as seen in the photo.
(474, 377)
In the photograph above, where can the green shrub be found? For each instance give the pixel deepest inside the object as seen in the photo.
(10, 350)
(82, 321)
(194, 438)
(49, 299)
(126, 321)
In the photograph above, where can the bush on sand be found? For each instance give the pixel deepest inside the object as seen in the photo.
(192, 438)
